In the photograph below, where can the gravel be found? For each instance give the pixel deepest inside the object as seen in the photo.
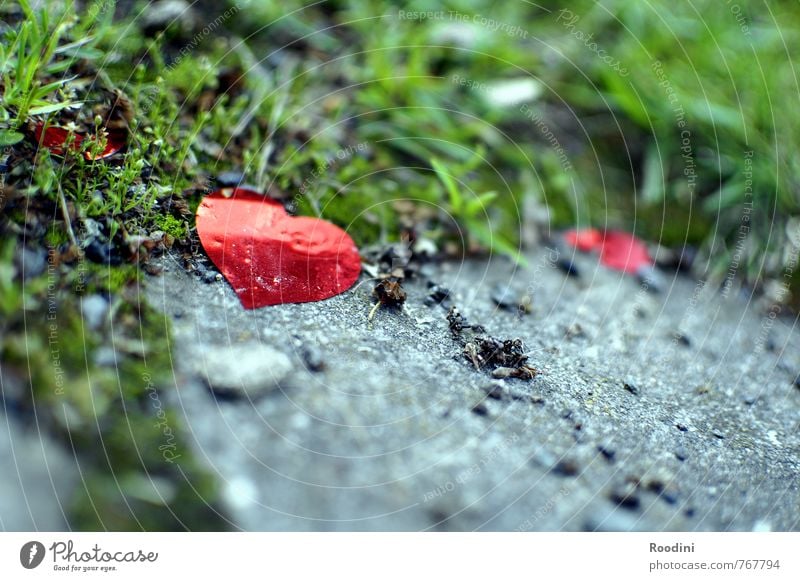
(397, 431)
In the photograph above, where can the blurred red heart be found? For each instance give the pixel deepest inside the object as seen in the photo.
(618, 250)
(625, 252)
(55, 140)
(584, 240)
(271, 258)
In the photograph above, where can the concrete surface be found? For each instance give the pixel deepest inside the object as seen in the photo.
(651, 412)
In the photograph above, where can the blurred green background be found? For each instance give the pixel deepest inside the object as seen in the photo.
(673, 116)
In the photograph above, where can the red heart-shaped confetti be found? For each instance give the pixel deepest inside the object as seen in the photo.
(271, 258)
(55, 139)
(584, 240)
(625, 252)
(618, 250)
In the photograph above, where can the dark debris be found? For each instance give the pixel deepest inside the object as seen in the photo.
(390, 292)
(503, 357)
(437, 295)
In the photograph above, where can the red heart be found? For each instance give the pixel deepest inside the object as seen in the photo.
(269, 257)
(55, 139)
(584, 240)
(624, 251)
(618, 250)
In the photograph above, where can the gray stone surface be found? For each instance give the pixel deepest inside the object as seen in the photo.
(396, 432)
(38, 479)
(247, 370)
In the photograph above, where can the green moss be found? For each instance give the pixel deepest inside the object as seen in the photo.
(112, 413)
(171, 225)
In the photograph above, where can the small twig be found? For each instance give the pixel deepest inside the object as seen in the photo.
(65, 213)
(373, 311)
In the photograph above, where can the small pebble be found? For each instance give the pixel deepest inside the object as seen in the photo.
(544, 459)
(566, 467)
(615, 521)
(240, 493)
(625, 496)
(568, 267)
(31, 263)
(650, 280)
(312, 357)
(94, 309)
(683, 339)
(101, 253)
(176, 14)
(480, 409)
(681, 453)
(504, 298)
(229, 179)
(502, 372)
(525, 306)
(495, 390)
(437, 295)
(244, 370)
(669, 495)
(105, 357)
(631, 387)
(607, 452)
(209, 276)
(575, 330)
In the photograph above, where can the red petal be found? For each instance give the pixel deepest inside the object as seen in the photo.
(55, 138)
(271, 258)
(584, 240)
(624, 251)
(114, 142)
